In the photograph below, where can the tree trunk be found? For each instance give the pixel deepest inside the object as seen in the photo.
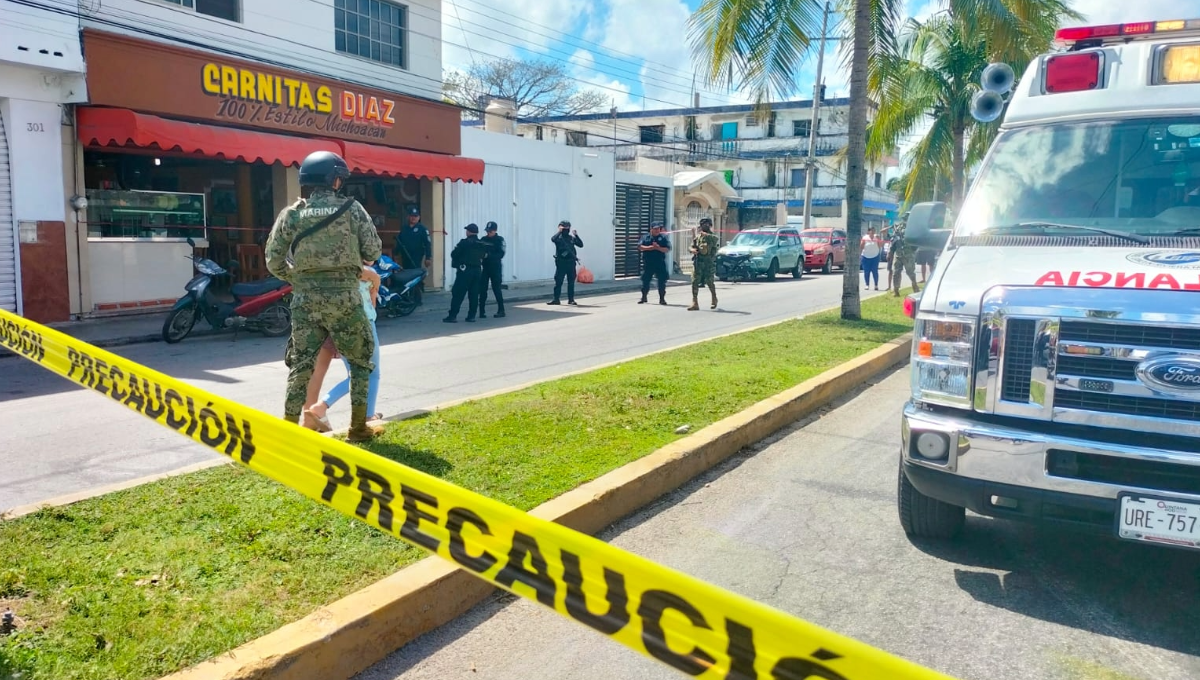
(958, 134)
(856, 170)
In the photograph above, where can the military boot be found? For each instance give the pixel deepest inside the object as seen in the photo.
(714, 301)
(360, 430)
(695, 304)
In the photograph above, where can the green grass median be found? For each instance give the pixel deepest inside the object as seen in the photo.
(144, 582)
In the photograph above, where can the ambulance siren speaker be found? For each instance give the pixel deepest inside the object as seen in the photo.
(986, 106)
(998, 78)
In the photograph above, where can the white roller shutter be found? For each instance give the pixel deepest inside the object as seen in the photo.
(8, 244)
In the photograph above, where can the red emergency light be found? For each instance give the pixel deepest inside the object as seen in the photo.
(1137, 28)
(1072, 72)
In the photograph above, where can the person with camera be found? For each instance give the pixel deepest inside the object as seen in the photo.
(566, 241)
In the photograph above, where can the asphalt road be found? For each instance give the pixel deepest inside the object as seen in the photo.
(807, 523)
(56, 438)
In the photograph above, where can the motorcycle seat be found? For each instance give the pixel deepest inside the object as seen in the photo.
(256, 288)
(405, 275)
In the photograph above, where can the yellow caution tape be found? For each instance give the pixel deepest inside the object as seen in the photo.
(681, 621)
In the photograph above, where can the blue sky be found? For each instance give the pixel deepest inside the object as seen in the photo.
(636, 51)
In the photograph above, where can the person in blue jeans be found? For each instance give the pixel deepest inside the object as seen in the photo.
(869, 262)
(315, 415)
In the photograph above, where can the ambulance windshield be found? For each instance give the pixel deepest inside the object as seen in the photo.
(1137, 176)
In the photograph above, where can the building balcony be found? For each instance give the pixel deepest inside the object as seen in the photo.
(736, 149)
(874, 198)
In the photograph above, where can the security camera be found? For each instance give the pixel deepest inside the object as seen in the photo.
(588, 173)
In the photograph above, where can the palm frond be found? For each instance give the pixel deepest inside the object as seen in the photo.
(757, 46)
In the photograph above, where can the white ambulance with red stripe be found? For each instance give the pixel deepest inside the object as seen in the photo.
(1056, 350)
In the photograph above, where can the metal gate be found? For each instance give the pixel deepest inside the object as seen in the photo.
(8, 239)
(637, 207)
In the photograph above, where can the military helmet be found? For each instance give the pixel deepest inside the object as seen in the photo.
(491, 226)
(322, 169)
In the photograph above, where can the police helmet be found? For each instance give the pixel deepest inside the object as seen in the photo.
(472, 228)
(323, 169)
(490, 226)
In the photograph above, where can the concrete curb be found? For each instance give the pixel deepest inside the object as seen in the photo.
(346, 637)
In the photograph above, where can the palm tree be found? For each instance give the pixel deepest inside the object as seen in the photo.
(765, 42)
(932, 69)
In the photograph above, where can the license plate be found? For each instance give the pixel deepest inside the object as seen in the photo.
(1159, 520)
(1096, 385)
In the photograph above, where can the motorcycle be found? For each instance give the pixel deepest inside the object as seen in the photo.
(399, 289)
(734, 266)
(261, 306)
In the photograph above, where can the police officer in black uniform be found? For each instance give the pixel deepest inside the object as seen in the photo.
(492, 271)
(654, 248)
(467, 259)
(565, 241)
(413, 248)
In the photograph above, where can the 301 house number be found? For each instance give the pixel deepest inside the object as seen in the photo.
(35, 127)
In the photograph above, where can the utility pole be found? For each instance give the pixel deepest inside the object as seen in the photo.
(810, 162)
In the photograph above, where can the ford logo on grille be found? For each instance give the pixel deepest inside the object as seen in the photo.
(1180, 374)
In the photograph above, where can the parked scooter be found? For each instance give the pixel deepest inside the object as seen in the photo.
(399, 289)
(257, 306)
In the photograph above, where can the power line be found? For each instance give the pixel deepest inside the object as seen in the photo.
(292, 66)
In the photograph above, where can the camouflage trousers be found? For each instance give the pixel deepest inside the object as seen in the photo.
(704, 273)
(321, 314)
(905, 265)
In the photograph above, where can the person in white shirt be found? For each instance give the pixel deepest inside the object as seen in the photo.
(869, 262)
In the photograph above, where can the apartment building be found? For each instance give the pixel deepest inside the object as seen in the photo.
(762, 154)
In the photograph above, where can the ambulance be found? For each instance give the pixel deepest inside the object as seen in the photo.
(1055, 373)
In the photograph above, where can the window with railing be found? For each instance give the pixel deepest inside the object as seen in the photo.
(371, 29)
(576, 138)
(229, 10)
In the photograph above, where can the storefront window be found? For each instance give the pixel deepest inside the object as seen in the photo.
(145, 214)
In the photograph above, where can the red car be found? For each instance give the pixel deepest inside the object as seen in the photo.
(824, 249)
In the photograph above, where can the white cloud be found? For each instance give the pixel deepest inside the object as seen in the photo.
(656, 31)
(475, 31)
(1116, 11)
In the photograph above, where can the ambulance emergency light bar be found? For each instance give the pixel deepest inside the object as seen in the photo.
(1079, 71)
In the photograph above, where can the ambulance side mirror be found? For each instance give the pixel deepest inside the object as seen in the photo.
(925, 222)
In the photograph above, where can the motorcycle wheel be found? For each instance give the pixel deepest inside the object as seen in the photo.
(402, 305)
(179, 324)
(276, 321)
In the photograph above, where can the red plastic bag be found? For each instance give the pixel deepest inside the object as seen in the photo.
(584, 275)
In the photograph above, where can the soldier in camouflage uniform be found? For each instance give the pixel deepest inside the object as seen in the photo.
(704, 263)
(903, 257)
(319, 246)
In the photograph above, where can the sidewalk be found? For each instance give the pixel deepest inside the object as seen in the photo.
(140, 328)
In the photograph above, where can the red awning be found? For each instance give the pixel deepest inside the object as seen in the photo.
(384, 160)
(100, 127)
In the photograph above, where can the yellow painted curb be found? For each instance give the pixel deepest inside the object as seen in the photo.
(346, 637)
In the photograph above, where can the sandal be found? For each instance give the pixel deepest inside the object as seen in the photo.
(314, 422)
(376, 417)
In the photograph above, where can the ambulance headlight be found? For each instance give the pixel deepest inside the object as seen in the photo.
(942, 352)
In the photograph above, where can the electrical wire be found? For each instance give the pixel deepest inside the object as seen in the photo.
(291, 66)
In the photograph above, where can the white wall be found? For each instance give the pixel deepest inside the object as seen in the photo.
(283, 32)
(528, 186)
(127, 270)
(39, 38)
(35, 156)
